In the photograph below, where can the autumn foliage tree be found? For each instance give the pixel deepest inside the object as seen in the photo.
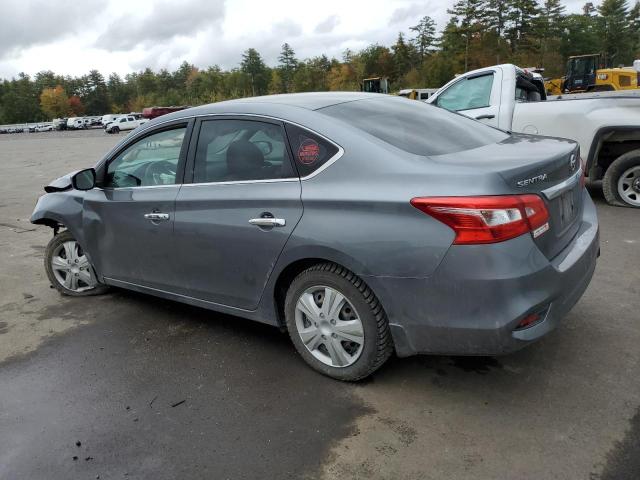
(54, 102)
(76, 107)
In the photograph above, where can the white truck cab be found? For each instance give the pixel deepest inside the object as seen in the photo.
(111, 117)
(605, 124)
(127, 122)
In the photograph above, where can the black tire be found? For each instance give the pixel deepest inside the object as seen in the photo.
(53, 244)
(115, 129)
(612, 176)
(378, 344)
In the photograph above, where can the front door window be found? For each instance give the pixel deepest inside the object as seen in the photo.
(148, 162)
(467, 94)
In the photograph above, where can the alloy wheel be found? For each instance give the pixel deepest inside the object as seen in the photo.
(629, 186)
(329, 326)
(71, 267)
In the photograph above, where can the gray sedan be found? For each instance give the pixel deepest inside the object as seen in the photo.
(363, 224)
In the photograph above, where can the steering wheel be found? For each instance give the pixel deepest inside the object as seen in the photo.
(160, 173)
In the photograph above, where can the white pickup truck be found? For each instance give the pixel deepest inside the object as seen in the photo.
(126, 122)
(606, 125)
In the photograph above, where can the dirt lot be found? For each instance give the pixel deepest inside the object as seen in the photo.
(130, 386)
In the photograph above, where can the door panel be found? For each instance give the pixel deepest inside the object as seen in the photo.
(129, 246)
(128, 221)
(220, 256)
(242, 170)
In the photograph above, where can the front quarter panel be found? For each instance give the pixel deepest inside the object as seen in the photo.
(64, 208)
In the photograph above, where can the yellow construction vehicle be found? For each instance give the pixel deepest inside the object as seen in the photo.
(417, 93)
(587, 73)
(554, 86)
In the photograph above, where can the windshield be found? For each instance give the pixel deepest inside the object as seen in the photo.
(582, 66)
(415, 127)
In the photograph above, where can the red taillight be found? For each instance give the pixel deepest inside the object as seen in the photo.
(528, 320)
(488, 219)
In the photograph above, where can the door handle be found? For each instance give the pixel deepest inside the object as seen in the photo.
(268, 222)
(156, 216)
(487, 116)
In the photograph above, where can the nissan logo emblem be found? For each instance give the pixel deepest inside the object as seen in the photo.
(572, 163)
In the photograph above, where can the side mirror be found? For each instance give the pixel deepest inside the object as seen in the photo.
(84, 179)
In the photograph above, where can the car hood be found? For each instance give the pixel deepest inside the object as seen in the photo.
(60, 184)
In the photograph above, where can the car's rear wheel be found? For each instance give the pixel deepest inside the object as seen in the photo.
(68, 267)
(336, 323)
(621, 182)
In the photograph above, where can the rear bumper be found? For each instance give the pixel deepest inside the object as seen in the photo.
(473, 302)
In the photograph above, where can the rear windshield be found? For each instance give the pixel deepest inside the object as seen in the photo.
(414, 126)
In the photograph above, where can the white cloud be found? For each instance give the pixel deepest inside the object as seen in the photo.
(71, 37)
(327, 25)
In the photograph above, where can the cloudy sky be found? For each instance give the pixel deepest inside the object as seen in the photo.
(73, 37)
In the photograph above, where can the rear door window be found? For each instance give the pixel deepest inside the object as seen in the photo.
(241, 150)
(310, 151)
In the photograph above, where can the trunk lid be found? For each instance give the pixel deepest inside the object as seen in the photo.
(549, 167)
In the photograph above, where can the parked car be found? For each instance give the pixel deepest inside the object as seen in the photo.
(106, 119)
(60, 123)
(44, 128)
(124, 123)
(76, 123)
(359, 222)
(605, 124)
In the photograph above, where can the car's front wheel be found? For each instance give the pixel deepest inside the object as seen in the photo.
(68, 267)
(336, 323)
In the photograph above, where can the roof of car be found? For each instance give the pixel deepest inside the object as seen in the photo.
(282, 104)
(310, 100)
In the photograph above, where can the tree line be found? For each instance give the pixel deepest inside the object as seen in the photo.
(479, 33)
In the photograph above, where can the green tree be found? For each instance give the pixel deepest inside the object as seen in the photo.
(466, 15)
(375, 61)
(254, 67)
(21, 101)
(401, 57)
(287, 67)
(634, 29)
(523, 16)
(614, 31)
(119, 93)
(425, 38)
(549, 27)
(96, 96)
(580, 35)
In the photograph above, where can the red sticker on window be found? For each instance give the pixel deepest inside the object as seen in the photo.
(309, 152)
